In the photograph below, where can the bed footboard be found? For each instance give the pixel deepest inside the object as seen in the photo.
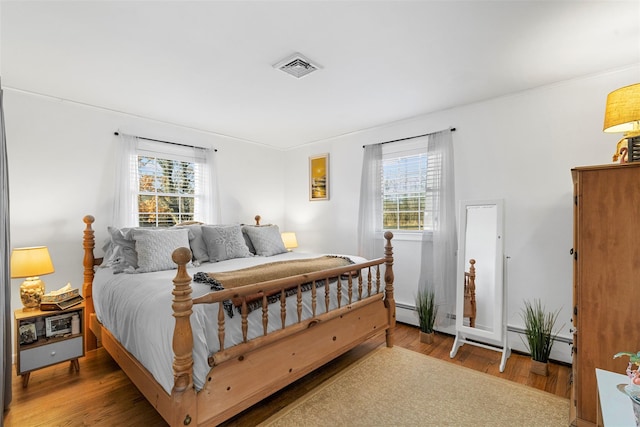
(237, 378)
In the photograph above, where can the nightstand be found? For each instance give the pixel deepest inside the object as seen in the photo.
(44, 338)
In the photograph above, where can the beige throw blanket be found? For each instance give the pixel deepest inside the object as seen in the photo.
(269, 271)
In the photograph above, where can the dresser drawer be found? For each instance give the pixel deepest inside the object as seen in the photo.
(50, 354)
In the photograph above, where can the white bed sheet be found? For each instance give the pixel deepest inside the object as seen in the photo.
(136, 309)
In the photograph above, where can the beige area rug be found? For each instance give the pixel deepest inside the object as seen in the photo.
(399, 387)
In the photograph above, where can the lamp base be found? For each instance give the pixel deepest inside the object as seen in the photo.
(31, 291)
(627, 149)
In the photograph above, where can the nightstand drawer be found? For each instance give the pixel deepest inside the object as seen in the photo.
(50, 354)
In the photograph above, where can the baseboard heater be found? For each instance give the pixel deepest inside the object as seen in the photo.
(510, 328)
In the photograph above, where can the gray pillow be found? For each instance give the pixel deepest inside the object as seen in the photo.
(266, 240)
(196, 242)
(224, 242)
(247, 239)
(120, 251)
(155, 247)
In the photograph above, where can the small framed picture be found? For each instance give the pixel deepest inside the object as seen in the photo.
(58, 325)
(319, 177)
(27, 333)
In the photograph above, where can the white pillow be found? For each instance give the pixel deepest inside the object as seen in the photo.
(155, 247)
(266, 240)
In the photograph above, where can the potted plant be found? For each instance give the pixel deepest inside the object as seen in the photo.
(427, 312)
(538, 326)
(633, 388)
(633, 374)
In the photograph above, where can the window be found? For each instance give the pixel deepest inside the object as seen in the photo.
(165, 191)
(410, 179)
(168, 183)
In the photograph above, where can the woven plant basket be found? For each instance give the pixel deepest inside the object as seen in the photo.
(539, 368)
(426, 338)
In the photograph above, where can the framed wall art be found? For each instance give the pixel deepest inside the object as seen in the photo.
(319, 177)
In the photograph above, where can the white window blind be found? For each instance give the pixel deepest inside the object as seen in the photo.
(410, 178)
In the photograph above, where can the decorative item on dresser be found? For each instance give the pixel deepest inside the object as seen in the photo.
(605, 276)
(622, 114)
(29, 263)
(226, 357)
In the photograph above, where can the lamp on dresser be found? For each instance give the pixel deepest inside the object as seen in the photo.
(30, 263)
(622, 114)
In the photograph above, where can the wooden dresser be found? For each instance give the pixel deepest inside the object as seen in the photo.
(606, 277)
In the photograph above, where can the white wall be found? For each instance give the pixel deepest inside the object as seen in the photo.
(61, 167)
(519, 148)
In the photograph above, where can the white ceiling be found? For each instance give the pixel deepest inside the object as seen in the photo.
(208, 64)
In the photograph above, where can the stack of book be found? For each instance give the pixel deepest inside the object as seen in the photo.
(60, 299)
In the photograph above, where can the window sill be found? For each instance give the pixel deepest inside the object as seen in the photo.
(409, 236)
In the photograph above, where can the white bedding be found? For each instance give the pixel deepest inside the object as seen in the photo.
(136, 309)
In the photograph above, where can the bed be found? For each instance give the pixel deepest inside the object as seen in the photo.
(202, 353)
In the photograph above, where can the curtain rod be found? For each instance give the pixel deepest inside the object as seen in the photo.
(169, 142)
(410, 137)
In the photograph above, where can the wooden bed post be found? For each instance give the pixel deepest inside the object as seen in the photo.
(88, 243)
(183, 392)
(389, 300)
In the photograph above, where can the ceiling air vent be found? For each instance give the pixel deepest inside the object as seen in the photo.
(297, 65)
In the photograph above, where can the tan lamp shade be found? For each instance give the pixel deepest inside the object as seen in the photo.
(622, 113)
(289, 239)
(30, 262)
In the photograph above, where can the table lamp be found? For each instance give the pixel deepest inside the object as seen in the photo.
(622, 114)
(289, 239)
(29, 263)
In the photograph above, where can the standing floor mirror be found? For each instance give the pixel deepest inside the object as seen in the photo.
(481, 292)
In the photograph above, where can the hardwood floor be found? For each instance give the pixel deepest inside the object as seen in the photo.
(101, 395)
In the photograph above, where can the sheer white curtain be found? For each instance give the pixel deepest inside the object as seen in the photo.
(124, 212)
(208, 209)
(370, 211)
(439, 270)
(5, 274)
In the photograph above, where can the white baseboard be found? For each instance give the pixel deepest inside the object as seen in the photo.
(560, 352)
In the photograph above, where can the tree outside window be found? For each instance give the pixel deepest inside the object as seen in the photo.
(166, 191)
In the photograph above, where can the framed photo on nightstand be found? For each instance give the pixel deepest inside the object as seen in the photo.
(27, 333)
(58, 325)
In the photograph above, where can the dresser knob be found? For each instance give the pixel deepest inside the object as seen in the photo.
(53, 353)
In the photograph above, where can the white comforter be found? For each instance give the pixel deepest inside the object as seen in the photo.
(136, 309)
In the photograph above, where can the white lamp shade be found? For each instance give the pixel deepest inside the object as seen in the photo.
(30, 262)
(622, 113)
(289, 239)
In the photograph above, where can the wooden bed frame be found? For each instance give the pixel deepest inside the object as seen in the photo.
(470, 293)
(239, 376)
